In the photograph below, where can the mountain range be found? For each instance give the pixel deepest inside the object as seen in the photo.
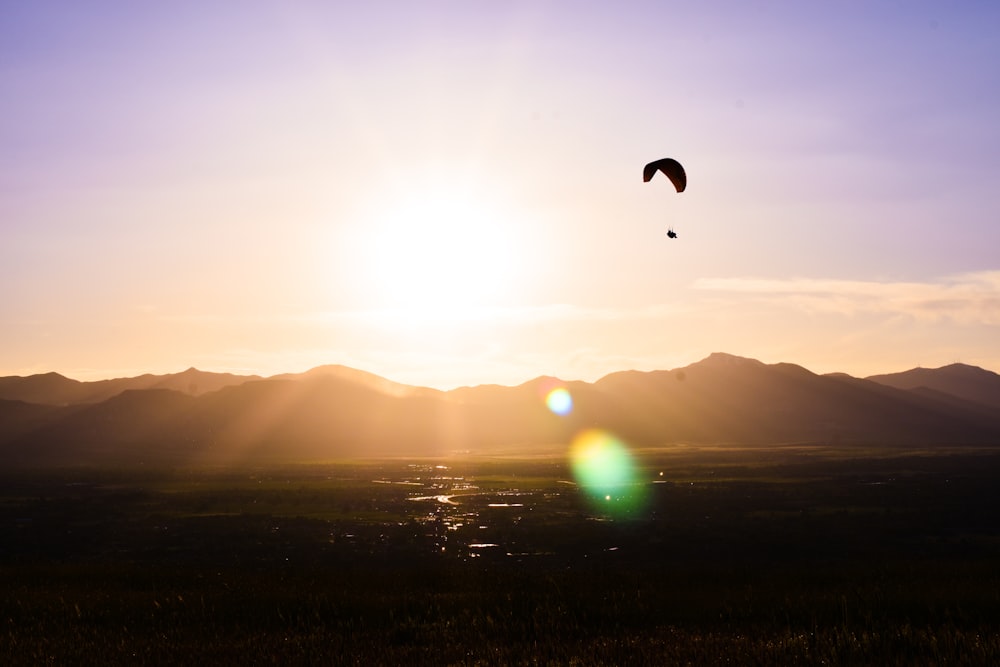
(336, 412)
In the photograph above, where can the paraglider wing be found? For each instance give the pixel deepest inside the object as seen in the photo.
(671, 168)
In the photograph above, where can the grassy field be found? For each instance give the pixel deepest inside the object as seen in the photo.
(784, 555)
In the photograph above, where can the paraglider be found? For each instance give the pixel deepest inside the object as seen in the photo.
(673, 170)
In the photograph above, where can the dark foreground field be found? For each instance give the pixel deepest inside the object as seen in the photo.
(785, 556)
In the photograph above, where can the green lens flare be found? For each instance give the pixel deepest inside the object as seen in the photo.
(604, 469)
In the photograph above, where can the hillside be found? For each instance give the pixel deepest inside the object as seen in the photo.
(55, 389)
(969, 383)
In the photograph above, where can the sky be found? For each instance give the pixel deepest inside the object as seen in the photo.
(450, 193)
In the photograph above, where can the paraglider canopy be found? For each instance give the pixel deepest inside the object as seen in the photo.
(671, 168)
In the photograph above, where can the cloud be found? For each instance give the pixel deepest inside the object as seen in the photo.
(562, 313)
(968, 298)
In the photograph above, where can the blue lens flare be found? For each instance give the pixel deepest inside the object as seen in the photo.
(559, 401)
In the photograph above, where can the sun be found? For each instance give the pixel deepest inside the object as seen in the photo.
(440, 247)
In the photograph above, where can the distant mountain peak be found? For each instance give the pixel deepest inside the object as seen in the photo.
(970, 383)
(730, 359)
(543, 380)
(358, 377)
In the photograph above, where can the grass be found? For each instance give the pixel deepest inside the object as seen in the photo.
(796, 560)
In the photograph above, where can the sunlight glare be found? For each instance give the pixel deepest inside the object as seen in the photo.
(440, 246)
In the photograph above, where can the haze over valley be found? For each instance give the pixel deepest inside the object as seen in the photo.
(335, 412)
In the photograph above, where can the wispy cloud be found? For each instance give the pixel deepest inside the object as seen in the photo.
(968, 298)
(485, 315)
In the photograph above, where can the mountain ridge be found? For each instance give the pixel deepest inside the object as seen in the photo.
(967, 382)
(335, 411)
(55, 389)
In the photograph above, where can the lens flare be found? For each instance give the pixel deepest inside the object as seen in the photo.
(604, 469)
(559, 401)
